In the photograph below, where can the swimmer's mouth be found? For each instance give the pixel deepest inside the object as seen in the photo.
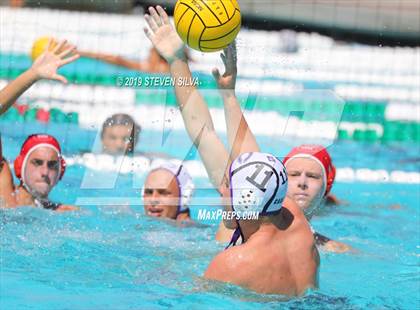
(301, 195)
(44, 181)
(157, 212)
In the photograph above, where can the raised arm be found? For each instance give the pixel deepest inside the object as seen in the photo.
(44, 67)
(196, 115)
(241, 139)
(7, 198)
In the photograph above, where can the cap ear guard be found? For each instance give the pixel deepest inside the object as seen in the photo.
(63, 166)
(18, 166)
(186, 187)
(330, 178)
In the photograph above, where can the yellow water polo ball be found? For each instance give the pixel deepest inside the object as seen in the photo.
(40, 45)
(207, 25)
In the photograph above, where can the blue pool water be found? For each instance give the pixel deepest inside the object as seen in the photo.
(109, 257)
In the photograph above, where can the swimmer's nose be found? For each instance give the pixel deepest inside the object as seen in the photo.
(302, 182)
(47, 179)
(154, 199)
(44, 169)
(121, 145)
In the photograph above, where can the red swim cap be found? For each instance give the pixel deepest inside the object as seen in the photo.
(320, 155)
(30, 145)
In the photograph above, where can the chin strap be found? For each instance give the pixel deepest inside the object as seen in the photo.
(41, 202)
(46, 204)
(236, 235)
(184, 211)
(26, 187)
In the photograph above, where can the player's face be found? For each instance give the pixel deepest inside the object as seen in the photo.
(41, 171)
(117, 139)
(306, 183)
(161, 194)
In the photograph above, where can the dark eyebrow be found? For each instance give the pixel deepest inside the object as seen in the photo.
(38, 161)
(52, 164)
(163, 191)
(313, 174)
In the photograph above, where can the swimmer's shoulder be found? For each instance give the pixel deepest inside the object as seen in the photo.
(299, 219)
(299, 230)
(216, 270)
(228, 265)
(290, 205)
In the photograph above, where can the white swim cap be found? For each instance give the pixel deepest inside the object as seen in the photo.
(183, 179)
(258, 183)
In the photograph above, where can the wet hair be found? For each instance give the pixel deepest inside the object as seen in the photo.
(124, 120)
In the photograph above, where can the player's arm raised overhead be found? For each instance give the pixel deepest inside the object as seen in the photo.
(241, 139)
(194, 110)
(44, 67)
(7, 199)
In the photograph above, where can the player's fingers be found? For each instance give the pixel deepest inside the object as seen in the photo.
(148, 33)
(59, 46)
(223, 59)
(234, 51)
(49, 45)
(69, 50)
(59, 78)
(155, 16)
(216, 74)
(163, 14)
(69, 59)
(151, 22)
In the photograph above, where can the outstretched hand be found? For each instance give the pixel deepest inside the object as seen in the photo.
(229, 58)
(163, 35)
(47, 64)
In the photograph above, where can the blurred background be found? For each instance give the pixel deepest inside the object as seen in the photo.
(352, 66)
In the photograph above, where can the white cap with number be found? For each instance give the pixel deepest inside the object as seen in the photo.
(258, 184)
